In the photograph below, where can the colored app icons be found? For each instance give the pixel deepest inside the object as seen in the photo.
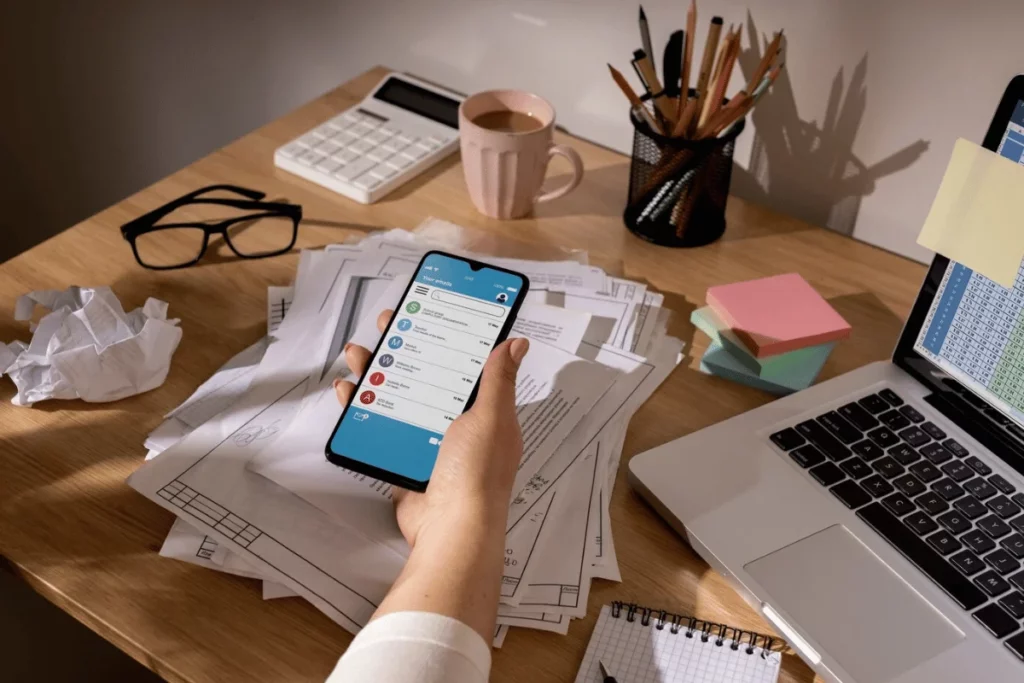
(412, 307)
(367, 397)
(395, 342)
(404, 324)
(377, 378)
(386, 360)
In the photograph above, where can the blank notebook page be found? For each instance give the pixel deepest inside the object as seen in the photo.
(635, 653)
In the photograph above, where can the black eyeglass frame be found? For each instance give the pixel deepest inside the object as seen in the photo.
(148, 222)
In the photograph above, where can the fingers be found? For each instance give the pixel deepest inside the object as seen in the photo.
(357, 358)
(343, 390)
(498, 381)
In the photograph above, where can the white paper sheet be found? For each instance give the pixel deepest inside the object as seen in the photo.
(279, 300)
(559, 327)
(89, 348)
(186, 543)
(641, 330)
(613, 312)
(559, 564)
(638, 378)
(539, 621)
(557, 578)
(221, 390)
(275, 591)
(500, 631)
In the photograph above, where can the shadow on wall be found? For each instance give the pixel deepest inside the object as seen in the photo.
(805, 169)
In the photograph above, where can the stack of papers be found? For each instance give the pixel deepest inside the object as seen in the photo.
(242, 465)
(774, 333)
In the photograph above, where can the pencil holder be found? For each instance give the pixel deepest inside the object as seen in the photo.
(678, 188)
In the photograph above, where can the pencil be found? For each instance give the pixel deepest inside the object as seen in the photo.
(723, 114)
(710, 47)
(720, 58)
(634, 100)
(683, 124)
(645, 70)
(766, 62)
(645, 36)
(716, 74)
(690, 37)
(721, 82)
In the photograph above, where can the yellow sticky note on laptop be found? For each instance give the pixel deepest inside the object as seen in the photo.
(976, 218)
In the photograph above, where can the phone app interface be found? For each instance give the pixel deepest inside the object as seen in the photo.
(430, 359)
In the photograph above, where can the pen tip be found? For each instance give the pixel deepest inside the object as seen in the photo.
(639, 54)
(717, 20)
(642, 15)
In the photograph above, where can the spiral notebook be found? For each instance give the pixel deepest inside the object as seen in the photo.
(642, 645)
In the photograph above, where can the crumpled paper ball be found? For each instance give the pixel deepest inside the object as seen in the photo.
(87, 347)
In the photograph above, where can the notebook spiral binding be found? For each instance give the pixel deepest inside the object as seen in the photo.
(720, 634)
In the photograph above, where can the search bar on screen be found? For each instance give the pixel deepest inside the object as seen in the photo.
(469, 303)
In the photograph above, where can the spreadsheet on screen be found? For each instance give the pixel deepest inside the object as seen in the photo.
(975, 327)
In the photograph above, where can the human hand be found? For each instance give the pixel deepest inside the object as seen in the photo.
(476, 465)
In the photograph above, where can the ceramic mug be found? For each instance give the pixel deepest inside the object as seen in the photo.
(505, 170)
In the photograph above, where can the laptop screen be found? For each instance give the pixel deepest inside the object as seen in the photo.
(974, 329)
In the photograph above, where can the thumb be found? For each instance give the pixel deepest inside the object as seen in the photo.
(498, 381)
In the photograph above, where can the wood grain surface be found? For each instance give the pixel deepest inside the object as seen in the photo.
(72, 528)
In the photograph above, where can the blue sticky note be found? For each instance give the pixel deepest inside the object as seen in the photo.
(718, 361)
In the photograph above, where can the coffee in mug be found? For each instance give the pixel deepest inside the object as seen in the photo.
(507, 141)
(506, 121)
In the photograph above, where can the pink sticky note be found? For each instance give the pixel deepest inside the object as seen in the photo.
(777, 314)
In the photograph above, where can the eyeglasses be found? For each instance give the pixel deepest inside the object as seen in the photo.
(171, 237)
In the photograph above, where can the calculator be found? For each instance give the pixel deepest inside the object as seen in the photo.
(401, 129)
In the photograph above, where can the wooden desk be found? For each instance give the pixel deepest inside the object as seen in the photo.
(74, 531)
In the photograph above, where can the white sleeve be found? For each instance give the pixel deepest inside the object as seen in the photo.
(420, 647)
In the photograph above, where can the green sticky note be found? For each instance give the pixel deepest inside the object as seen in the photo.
(794, 370)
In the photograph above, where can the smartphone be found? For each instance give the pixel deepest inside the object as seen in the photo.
(426, 368)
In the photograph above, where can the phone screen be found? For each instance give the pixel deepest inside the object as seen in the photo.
(425, 370)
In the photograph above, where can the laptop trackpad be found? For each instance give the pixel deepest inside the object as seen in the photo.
(860, 611)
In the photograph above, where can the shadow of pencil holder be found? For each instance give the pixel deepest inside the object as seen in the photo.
(678, 188)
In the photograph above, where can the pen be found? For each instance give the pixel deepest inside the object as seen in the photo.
(608, 678)
(634, 100)
(672, 63)
(645, 70)
(645, 37)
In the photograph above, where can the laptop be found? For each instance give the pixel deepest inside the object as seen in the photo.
(877, 519)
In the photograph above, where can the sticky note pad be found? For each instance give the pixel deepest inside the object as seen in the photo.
(796, 369)
(777, 314)
(976, 218)
(719, 362)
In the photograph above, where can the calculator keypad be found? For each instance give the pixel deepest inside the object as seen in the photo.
(361, 149)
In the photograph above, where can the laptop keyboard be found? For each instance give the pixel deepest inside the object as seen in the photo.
(921, 490)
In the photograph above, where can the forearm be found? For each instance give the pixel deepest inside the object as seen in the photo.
(454, 569)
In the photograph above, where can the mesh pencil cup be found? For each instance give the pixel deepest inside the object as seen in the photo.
(678, 188)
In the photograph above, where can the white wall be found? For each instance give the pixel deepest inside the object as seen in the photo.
(108, 96)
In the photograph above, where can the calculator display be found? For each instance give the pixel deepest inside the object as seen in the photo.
(426, 103)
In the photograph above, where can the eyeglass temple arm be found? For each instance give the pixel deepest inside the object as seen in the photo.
(162, 211)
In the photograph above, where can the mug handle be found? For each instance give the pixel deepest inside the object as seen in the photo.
(577, 172)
